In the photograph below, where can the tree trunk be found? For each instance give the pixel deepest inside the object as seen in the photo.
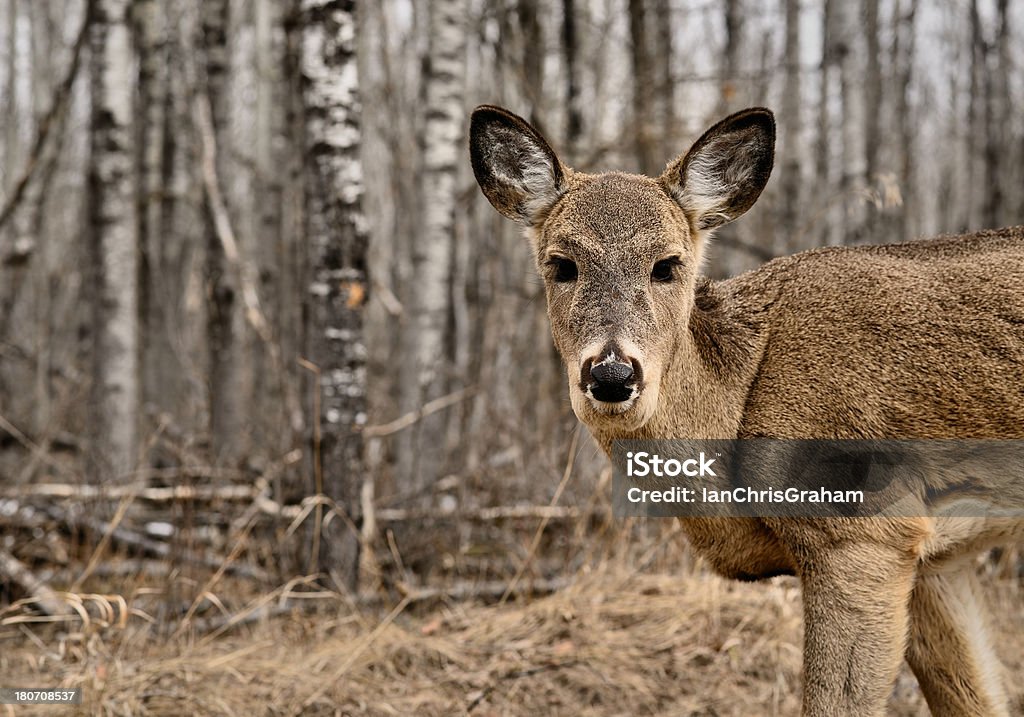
(225, 345)
(997, 139)
(443, 153)
(665, 26)
(643, 91)
(115, 371)
(155, 318)
(337, 248)
(847, 39)
(730, 82)
(532, 34)
(570, 54)
(975, 119)
(904, 53)
(790, 121)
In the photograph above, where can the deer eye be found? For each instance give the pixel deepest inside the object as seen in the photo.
(565, 269)
(664, 270)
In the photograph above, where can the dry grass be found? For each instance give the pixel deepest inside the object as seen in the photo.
(614, 642)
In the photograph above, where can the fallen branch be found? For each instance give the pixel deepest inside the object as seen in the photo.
(116, 492)
(490, 590)
(45, 598)
(133, 539)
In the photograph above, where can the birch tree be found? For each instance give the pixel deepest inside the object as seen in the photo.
(790, 179)
(443, 152)
(225, 344)
(115, 370)
(337, 246)
(646, 145)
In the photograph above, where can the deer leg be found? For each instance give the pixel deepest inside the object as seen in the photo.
(856, 616)
(949, 649)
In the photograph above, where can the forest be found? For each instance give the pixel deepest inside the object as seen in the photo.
(282, 427)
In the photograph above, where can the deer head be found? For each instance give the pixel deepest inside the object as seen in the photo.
(620, 253)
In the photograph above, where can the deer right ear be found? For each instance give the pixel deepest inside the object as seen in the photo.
(514, 166)
(724, 172)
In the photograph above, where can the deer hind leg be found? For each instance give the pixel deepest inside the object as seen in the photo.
(949, 649)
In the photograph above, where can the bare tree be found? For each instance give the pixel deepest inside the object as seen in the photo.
(337, 248)
(115, 371)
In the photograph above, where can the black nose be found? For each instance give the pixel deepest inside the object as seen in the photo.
(610, 381)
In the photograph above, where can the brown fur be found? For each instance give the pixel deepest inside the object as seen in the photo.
(917, 340)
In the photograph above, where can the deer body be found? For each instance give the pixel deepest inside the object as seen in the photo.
(916, 340)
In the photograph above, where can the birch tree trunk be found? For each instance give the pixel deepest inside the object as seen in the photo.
(115, 370)
(823, 150)
(665, 24)
(872, 114)
(791, 122)
(904, 46)
(225, 344)
(849, 49)
(443, 152)
(730, 82)
(975, 119)
(570, 54)
(997, 140)
(337, 248)
(158, 392)
(643, 90)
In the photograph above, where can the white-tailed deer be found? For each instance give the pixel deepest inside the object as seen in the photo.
(916, 340)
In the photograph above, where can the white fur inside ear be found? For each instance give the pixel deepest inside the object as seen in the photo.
(525, 168)
(713, 177)
(541, 188)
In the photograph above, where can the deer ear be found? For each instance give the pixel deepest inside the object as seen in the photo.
(514, 166)
(724, 172)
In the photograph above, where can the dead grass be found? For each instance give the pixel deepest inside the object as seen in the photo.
(613, 643)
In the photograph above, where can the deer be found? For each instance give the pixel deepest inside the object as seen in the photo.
(917, 340)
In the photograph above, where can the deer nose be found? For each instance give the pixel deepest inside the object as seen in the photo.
(610, 381)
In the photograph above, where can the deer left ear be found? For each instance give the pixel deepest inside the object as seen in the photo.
(514, 165)
(725, 171)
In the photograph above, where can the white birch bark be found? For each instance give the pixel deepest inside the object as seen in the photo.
(336, 244)
(443, 151)
(114, 248)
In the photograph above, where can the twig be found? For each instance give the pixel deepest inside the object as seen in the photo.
(101, 547)
(46, 599)
(403, 422)
(61, 96)
(569, 463)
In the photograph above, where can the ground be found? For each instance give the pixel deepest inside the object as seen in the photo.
(613, 642)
